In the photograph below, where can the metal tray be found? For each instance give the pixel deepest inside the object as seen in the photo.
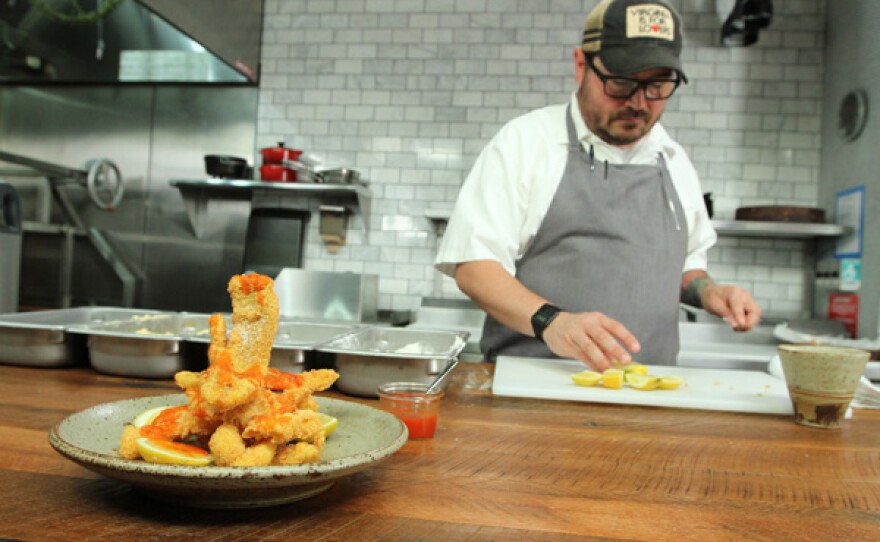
(40, 338)
(376, 355)
(151, 347)
(295, 344)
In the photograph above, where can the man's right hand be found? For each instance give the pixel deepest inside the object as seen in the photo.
(591, 337)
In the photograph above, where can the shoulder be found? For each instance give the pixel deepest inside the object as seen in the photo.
(546, 124)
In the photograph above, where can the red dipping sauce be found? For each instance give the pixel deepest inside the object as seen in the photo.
(413, 405)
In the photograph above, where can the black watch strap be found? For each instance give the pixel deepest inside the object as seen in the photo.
(542, 318)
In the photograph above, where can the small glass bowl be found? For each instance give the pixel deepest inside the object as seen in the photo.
(413, 405)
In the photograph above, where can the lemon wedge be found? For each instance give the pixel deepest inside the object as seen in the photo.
(329, 422)
(612, 378)
(146, 417)
(642, 382)
(586, 378)
(636, 368)
(670, 382)
(172, 453)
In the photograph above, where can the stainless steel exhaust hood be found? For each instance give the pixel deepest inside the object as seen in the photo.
(130, 41)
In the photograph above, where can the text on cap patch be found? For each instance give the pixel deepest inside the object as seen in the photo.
(649, 21)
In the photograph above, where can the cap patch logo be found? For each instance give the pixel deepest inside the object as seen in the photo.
(650, 21)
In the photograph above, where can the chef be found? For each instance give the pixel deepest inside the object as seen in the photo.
(582, 225)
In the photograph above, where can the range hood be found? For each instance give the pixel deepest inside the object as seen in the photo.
(134, 41)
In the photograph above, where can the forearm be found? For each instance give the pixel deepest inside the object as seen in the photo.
(499, 293)
(693, 283)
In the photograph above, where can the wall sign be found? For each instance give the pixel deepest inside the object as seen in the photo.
(845, 308)
(850, 275)
(849, 210)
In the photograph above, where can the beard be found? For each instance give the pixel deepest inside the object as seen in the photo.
(635, 123)
(621, 127)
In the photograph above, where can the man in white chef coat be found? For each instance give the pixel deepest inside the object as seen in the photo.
(582, 225)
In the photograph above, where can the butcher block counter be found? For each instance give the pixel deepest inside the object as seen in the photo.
(498, 468)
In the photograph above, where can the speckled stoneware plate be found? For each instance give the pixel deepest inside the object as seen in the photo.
(365, 435)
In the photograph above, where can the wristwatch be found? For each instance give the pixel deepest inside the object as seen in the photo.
(542, 318)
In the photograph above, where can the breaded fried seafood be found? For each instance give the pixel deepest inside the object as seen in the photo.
(243, 411)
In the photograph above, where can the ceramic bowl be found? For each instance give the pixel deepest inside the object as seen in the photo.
(365, 436)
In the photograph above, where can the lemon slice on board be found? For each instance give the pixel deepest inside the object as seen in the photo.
(146, 417)
(642, 382)
(635, 368)
(172, 453)
(329, 422)
(586, 378)
(612, 378)
(670, 382)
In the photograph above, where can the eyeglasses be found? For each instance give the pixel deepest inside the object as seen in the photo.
(623, 88)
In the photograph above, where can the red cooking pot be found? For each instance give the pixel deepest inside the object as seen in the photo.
(277, 155)
(276, 173)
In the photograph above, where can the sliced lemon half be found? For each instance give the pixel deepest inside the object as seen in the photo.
(642, 382)
(586, 378)
(670, 382)
(612, 378)
(146, 417)
(172, 453)
(329, 422)
(636, 368)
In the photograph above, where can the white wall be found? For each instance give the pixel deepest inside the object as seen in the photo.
(409, 91)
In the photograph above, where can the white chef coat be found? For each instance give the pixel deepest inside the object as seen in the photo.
(509, 190)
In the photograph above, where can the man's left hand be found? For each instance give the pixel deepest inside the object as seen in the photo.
(734, 304)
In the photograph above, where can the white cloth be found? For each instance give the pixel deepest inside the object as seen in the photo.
(509, 190)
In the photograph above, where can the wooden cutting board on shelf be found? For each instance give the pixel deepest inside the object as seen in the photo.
(781, 213)
(706, 389)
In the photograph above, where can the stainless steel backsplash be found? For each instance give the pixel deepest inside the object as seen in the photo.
(154, 134)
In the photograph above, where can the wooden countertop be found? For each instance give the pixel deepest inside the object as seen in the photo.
(498, 469)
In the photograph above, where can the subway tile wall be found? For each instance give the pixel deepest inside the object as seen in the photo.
(409, 91)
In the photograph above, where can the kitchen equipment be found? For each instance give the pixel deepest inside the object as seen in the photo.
(707, 389)
(376, 355)
(275, 239)
(150, 347)
(40, 338)
(91, 437)
(781, 213)
(341, 175)
(100, 177)
(446, 314)
(852, 114)
(742, 20)
(327, 295)
(10, 247)
(279, 153)
(436, 385)
(278, 173)
(227, 167)
(295, 346)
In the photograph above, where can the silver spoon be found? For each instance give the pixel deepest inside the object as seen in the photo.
(445, 372)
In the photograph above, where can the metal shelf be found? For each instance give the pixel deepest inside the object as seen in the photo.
(795, 230)
(731, 228)
(197, 193)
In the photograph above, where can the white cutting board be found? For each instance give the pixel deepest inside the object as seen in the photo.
(707, 389)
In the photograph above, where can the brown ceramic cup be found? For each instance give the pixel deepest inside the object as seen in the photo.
(822, 381)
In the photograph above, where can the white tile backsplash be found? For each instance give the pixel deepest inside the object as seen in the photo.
(409, 91)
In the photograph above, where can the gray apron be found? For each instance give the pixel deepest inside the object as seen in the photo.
(613, 241)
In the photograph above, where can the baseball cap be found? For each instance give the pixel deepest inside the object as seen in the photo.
(634, 35)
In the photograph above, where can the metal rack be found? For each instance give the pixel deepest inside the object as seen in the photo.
(197, 195)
